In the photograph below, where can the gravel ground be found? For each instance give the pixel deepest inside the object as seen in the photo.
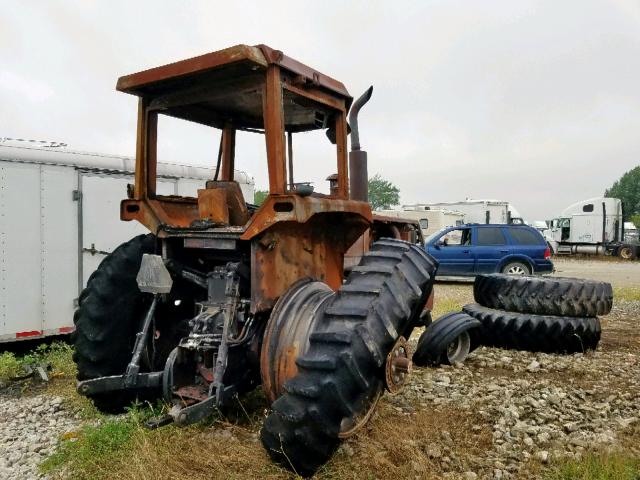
(539, 407)
(533, 408)
(30, 427)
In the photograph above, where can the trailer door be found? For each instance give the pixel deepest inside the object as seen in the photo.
(20, 275)
(101, 229)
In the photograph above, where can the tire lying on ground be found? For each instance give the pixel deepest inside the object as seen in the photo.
(342, 371)
(448, 340)
(571, 297)
(536, 333)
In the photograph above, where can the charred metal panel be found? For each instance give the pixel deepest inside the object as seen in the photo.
(294, 208)
(212, 205)
(289, 251)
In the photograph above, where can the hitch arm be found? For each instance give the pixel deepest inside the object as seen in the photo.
(133, 368)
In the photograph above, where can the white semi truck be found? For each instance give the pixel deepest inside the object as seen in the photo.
(593, 227)
(59, 217)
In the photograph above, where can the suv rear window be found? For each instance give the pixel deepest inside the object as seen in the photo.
(490, 236)
(524, 236)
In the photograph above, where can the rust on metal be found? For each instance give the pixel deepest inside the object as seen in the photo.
(289, 251)
(212, 205)
(273, 129)
(398, 366)
(228, 153)
(286, 336)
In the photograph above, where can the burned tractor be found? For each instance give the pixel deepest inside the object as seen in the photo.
(223, 295)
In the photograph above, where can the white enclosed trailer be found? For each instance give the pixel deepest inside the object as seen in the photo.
(479, 211)
(592, 226)
(430, 220)
(59, 217)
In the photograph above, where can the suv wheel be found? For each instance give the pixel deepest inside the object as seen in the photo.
(516, 268)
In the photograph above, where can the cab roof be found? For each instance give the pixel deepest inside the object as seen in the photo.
(227, 86)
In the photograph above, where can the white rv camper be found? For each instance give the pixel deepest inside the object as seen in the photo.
(59, 217)
(478, 211)
(430, 220)
(592, 226)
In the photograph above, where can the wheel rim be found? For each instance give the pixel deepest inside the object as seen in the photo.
(287, 334)
(625, 253)
(350, 425)
(516, 270)
(458, 350)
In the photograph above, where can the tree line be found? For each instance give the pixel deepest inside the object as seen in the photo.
(627, 189)
(382, 194)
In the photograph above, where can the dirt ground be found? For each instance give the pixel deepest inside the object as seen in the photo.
(617, 272)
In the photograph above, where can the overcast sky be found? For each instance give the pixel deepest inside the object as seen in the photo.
(534, 102)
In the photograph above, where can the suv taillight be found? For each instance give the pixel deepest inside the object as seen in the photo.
(547, 254)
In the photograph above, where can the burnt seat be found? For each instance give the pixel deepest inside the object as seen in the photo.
(223, 202)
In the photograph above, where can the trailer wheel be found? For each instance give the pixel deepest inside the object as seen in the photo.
(627, 252)
(109, 316)
(572, 297)
(535, 333)
(343, 370)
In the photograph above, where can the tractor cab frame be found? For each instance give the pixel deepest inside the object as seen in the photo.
(261, 90)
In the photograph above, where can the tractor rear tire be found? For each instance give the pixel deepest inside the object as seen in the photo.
(110, 313)
(342, 372)
(535, 333)
(570, 297)
(455, 328)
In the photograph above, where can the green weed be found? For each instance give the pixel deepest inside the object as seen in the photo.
(10, 366)
(629, 294)
(597, 466)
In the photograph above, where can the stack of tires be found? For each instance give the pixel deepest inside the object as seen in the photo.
(540, 314)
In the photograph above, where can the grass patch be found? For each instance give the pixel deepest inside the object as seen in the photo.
(90, 452)
(10, 366)
(62, 373)
(56, 355)
(597, 466)
(393, 445)
(446, 305)
(629, 294)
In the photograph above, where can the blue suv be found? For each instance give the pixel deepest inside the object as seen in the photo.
(471, 249)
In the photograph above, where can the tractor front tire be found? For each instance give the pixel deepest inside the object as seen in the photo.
(108, 317)
(341, 374)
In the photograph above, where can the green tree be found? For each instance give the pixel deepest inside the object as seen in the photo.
(382, 193)
(635, 219)
(627, 189)
(259, 196)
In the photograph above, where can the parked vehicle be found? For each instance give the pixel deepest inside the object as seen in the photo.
(68, 203)
(631, 233)
(479, 211)
(472, 249)
(430, 220)
(593, 227)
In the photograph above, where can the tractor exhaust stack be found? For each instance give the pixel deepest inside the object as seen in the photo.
(358, 176)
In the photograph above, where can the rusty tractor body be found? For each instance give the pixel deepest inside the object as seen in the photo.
(224, 295)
